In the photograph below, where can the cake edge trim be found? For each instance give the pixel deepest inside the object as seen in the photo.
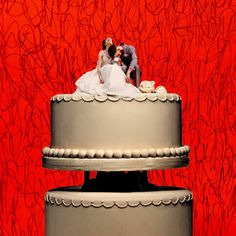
(136, 153)
(49, 199)
(171, 97)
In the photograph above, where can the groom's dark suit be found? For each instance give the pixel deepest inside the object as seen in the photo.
(130, 61)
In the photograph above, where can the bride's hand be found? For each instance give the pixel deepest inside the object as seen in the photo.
(101, 81)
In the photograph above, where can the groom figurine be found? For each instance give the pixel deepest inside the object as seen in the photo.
(130, 63)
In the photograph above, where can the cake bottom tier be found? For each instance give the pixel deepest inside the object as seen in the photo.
(165, 212)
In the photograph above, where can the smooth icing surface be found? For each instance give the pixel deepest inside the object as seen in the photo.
(166, 212)
(91, 124)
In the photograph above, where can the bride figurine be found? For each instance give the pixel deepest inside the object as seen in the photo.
(108, 78)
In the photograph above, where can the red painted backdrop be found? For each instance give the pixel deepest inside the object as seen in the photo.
(187, 46)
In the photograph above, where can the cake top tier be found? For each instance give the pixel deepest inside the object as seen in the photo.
(107, 133)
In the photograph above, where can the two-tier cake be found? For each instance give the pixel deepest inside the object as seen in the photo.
(109, 134)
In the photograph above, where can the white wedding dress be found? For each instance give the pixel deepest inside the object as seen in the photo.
(114, 82)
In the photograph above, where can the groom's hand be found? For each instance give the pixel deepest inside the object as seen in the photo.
(127, 79)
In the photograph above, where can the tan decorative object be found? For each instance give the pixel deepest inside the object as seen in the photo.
(112, 135)
(147, 86)
(144, 128)
(161, 90)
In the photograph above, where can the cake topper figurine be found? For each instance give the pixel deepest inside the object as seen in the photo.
(108, 78)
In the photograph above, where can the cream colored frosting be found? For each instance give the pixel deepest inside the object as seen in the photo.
(122, 125)
(106, 127)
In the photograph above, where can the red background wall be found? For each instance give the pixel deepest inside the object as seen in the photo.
(187, 46)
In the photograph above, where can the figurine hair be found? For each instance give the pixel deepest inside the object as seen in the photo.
(112, 51)
(103, 44)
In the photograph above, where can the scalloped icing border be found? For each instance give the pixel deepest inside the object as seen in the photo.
(91, 153)
(49, 199)
(171, 97)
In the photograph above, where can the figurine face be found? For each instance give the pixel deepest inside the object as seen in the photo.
(108, 41)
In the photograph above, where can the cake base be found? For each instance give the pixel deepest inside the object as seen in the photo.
(115, 164)
(165, 212)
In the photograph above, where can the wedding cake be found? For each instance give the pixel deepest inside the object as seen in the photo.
(112, 135)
